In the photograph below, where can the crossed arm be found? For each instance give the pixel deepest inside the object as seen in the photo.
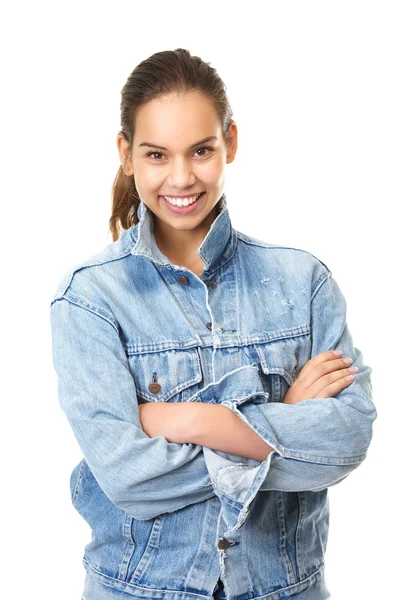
(211, 425)
(317, 442)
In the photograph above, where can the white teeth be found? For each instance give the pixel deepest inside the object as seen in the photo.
(180, 202)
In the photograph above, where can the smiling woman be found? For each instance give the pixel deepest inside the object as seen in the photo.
(180, 180)
(196, 367)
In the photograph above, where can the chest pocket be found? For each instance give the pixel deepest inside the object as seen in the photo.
(167, 375)
(281, 361)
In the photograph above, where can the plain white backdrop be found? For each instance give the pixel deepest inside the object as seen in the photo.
(314, 88)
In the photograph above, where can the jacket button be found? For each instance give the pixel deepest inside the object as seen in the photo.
(223, 544)
(183, 280)
(209, 325)
(154, 388)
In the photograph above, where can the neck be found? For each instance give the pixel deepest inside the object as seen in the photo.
(180, 245)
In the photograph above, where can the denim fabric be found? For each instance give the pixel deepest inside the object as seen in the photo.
(95, 591)
(168, 520)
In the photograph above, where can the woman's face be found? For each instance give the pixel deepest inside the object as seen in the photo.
(172, 157)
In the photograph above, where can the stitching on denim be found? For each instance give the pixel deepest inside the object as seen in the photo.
(229, 341)
(90, 308)
(277, 595)
(272, 369)
(167, 394)
(301, 500)
(319, 283)
(78, 481)
(331, 460)
(86, 264)
(283, 537)
(256, 242)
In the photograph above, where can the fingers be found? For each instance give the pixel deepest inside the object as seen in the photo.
(322, 357)
(323, 376)
(326, 379)
(333, 388)
(320, 365)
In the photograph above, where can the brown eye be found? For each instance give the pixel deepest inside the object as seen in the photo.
(209, 148)
(153, 152)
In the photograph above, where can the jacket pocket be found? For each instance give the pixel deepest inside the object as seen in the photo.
(280, 362)
(167, 375)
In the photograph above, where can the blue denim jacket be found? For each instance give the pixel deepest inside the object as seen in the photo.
(168, 520)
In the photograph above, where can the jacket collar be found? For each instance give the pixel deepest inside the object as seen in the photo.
(217, 247)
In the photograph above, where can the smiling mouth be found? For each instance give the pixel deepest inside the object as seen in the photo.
(182, 202)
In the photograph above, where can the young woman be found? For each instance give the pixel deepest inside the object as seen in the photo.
(205, 373)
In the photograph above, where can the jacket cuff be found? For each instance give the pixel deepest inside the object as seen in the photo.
(235, 479)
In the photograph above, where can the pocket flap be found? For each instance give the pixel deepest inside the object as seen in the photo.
(285, 357)
(161, 375)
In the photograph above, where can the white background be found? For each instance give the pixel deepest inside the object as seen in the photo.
(314, 88)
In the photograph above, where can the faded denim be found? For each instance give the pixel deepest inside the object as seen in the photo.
(122, 320)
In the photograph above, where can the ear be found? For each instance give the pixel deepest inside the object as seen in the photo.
(231, 143)
(122, 146)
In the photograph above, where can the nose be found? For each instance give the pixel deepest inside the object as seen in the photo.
(180, 175)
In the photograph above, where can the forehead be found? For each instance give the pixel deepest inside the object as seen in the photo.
(177, 118)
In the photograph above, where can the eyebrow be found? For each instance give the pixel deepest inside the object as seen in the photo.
(207, 139)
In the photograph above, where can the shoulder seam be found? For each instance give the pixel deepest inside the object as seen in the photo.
(255, 242)
(319, 283)
(84, 304)
(81, 266)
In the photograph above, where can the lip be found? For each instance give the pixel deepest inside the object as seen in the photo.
(182, 197)
(183, 210)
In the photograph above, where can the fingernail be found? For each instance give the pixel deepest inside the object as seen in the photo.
(337, 352)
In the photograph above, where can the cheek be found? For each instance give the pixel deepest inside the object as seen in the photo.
(150, 180)
(212, 173)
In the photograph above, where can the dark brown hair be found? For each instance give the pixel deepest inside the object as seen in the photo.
(160, 74)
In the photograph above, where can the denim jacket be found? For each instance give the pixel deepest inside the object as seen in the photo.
(168, 520)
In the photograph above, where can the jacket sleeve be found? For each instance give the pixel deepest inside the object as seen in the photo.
(317, 442)
(141, 475)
